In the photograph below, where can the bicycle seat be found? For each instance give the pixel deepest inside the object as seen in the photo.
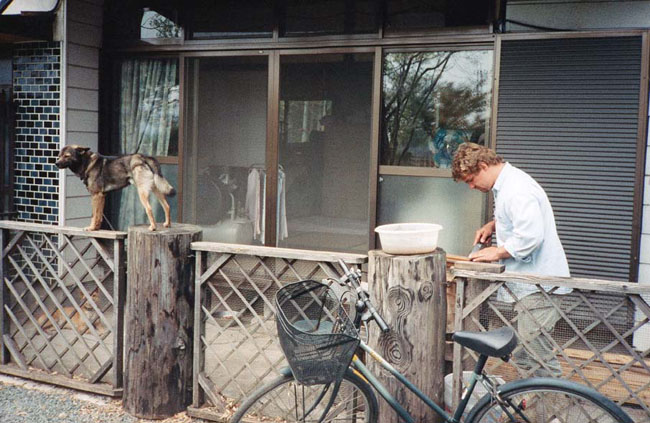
(494, 343)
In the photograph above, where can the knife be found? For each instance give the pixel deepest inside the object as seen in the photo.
(476, 247)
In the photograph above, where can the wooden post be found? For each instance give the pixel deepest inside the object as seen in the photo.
(159, 320)
(119, 293)
(410, 293)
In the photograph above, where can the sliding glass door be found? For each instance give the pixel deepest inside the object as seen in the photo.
(226, 136)
(324, 151)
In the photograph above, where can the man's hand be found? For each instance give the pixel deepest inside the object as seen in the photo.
(490, 254)
(484, 234)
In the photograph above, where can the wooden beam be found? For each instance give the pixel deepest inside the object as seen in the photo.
(49, 229)
(98, 388)
(287, 253)
(577, 283)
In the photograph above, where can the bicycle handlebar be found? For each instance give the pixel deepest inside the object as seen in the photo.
(355, 281)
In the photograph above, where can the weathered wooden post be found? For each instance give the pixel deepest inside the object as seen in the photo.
(410, 293)
(159, 321)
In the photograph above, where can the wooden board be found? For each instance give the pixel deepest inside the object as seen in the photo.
(635, 376)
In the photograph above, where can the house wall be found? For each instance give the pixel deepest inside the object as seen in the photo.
(82, 44)
(5, 70)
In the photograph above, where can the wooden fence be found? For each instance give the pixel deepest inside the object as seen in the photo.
(602, 337)
(62, 302)
(235, 342)
(62, 312)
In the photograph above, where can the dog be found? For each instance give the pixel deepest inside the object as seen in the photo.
(102, 174)
(74, 317)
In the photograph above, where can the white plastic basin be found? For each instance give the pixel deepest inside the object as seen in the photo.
(408, 238)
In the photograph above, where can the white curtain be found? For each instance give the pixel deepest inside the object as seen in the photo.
(148, 114)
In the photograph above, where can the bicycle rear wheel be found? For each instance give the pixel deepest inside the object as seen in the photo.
(285, 400)
(545, 400)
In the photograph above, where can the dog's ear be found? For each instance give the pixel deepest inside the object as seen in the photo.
(82, 150)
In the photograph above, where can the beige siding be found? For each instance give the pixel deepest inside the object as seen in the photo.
(79, 208)
(83, 43)
(84, 11)
(82, 121)
(80, 77)
(84, 34)
(83, 99)
(74, 186)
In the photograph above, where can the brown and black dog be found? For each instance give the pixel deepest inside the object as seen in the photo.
(102, 174)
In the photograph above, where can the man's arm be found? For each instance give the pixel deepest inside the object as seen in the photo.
(484, 234)
(528, 231)
(490, 254)
(528, 226)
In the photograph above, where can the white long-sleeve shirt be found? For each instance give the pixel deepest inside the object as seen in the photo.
(525, 227)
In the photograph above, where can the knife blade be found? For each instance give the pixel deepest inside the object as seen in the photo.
(476, 247)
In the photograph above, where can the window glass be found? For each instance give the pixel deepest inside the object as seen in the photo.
(324, 151)
(432, 102)
(148, 107)
(224, 183)
(300, 117)
(453, 205)
(322, 17)
(141, 23)
(404, 15)
(146, 111)
(157, 26)
(231, 19)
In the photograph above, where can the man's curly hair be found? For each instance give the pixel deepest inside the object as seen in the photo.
(467, 159)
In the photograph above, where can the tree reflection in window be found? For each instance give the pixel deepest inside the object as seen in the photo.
(433, 102)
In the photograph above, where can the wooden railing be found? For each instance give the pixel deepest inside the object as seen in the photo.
(235, 342)
(62, 305)
(602, 338)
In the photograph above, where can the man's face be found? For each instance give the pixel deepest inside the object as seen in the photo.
(481, 180)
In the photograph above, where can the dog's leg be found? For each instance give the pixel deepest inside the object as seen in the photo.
(144, 199)
(165, 205)
(97, 201)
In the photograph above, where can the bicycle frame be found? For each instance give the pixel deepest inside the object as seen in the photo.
(359, 367)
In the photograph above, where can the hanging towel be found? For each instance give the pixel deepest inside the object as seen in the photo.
(256, 204)
(253, 204)
(283, 231)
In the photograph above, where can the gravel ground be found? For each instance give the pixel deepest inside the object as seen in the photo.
(29, 402)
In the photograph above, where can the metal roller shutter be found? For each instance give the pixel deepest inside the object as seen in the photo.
(568, 115)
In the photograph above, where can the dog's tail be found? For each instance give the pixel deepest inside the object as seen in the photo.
(163, 185)
(159, 180)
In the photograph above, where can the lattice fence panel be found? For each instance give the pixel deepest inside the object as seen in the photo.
(236, 339)
(60, 308)
(604, 348)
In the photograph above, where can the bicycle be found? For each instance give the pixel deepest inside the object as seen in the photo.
(326, 380)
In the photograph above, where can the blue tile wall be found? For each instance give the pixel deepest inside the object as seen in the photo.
(37, 90)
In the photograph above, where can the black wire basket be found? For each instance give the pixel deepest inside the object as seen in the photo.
(315, 332)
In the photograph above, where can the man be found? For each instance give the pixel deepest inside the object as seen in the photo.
(527, 242)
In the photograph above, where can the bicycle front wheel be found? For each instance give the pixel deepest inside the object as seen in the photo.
(285, 400)
(546, 400)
